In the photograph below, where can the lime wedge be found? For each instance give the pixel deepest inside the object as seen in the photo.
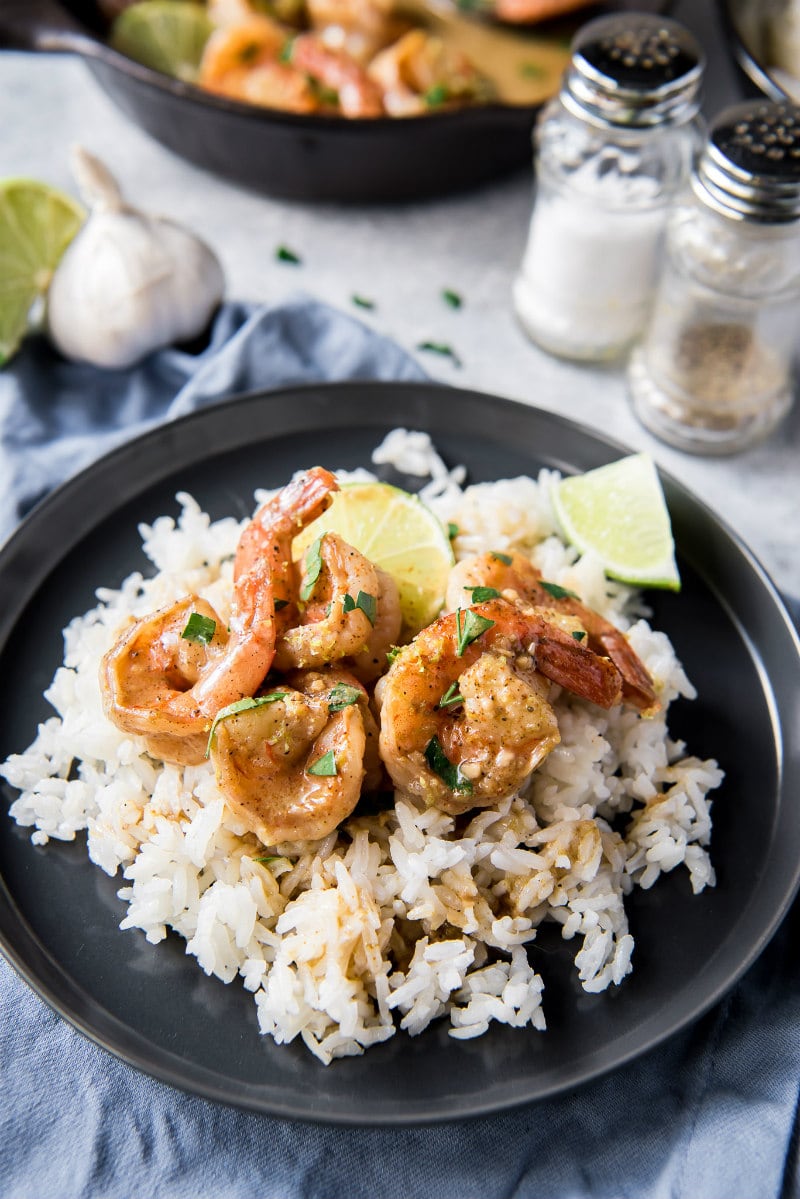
(618, 512)
(398, 533)
(167, 35)
(37, 223)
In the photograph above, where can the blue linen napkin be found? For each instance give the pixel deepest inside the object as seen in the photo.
(711, 1114)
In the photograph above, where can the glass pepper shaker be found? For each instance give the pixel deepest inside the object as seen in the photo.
(612, 150)
(714, 371)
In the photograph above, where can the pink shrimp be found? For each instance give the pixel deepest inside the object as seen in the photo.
(464, 712)
(514, 575)
(356, 95)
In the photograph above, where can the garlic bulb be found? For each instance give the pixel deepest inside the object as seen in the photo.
(128, 283)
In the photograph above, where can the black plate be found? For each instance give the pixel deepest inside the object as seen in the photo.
(154, 1007)
(298, 157)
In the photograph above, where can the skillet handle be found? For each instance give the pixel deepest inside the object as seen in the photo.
(43, 25)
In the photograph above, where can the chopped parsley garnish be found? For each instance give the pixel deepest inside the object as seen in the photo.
(440, 764)
(279, 603)
(531, 70)
(481, 594)
(440, 347)
(199, 628)
(452, 298)
(469, 626)
(450, 697)
(324, 767)
(437, 95)
(287, 50)
(579, 634)
(342, 696)
(506, 559)
(557, 591)
(366, 602)
(284, 254)
(452, 530)
(362, 302)
(242, 705)
(271, 857)
(393, 654)
(313, 568)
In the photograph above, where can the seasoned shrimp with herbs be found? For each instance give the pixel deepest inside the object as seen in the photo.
(170, 672)
(516, 578)
(292, 764)
(464, 710)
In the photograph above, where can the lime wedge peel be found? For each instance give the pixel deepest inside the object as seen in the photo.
(398, 533)
(166, 35)
(37, 223)
(618, 512)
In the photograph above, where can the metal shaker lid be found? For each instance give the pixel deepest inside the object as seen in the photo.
(750, 168)
(634, 69)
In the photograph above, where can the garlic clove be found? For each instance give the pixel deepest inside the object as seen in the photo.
(129, 283)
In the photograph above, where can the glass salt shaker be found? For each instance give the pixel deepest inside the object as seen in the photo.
(714, 372)
(612, 149)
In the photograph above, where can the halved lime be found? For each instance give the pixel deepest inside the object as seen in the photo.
(618, 512)
(167, 35)
(37, 223)
(397, 532)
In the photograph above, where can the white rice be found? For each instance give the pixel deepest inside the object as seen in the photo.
(408, 915)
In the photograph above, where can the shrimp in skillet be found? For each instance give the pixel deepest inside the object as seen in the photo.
(292, 768)
(158, 684)
(464, 713)
(515, 577)
(352, 92)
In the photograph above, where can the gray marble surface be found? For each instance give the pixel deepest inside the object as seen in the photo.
(402, 258)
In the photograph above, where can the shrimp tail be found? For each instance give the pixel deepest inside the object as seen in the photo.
(582, 671)
(302, 500)
(637, 686)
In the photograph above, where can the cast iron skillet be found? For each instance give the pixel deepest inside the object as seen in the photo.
(296, 157)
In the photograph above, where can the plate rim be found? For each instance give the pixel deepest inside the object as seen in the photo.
(69, 492)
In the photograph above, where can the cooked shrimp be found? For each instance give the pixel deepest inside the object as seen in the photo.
(157, 685)
(359, 28)
(463, 710)
(342, 602)
(420, 72)
(234, 50)
(370, 662)
(530, 11)
(270, 533)
(353, 92)
(519, 578)
(292, 768)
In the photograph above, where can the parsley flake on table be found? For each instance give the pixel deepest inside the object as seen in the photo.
(284, 254)
(452, 298)
(441, 348)
(362, 302)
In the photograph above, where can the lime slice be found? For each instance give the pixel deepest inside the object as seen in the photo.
(618, 512)
(398, 533)
(167, 35)
(37, 223)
